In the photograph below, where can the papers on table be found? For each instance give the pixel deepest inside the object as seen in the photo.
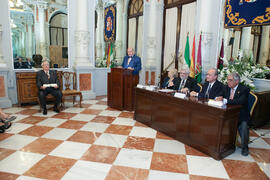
(212, 102)
(49, 85)
(166, 90)
(149, 88)
(180, 95)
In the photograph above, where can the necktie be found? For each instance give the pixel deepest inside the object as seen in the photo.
(48, 74)
(208, 89)
(182, 84)
(232, 94)
(129, 59)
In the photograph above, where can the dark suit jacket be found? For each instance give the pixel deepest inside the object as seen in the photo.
(134, 63)
(241, 98)
(18, 65)
(191, 84)
(42, 78)
(216, 90)
(166, 83)
(29, 65)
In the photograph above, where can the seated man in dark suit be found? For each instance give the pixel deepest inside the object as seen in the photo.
(132, 62)
(172, 81)
(186, 83)
(29, 64)
(19, 64)
(212, 88)
(235, 93)
(48, 83)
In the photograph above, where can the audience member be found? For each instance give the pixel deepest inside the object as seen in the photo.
(29, 64)
(5, 121)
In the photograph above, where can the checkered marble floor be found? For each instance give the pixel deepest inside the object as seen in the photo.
(97, 142)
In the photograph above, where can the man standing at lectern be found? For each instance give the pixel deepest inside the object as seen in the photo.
(132, 62)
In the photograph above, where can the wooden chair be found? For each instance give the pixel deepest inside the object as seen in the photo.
(70, 79)
(49, 97)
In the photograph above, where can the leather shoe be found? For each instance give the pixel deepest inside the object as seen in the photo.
(56, 109)
(244, 152)
(44, 111)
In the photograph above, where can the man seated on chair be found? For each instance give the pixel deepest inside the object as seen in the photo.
(212, 88)
(132, 62)
(235, 93)
(187, 83)
(48, 83)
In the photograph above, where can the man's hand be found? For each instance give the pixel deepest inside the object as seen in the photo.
(184, 90)
(55, 86)
(220, 98)
(43, 87)
(193, 93)
(131, 68)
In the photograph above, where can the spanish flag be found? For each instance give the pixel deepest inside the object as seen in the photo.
(109, 52)
(192, 62)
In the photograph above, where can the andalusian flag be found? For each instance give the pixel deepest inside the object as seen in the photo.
(109, 53)
(187, 58)
(192, 62)
(199, 62)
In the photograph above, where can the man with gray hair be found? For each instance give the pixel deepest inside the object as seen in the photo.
(187, 84)
(212, 88)
(236, 93)
(48, 83)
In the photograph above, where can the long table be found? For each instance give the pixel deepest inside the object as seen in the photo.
(209, 129)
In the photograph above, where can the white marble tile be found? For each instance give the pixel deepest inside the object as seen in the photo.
(85, 170)
(95, 127)
(206, 166)
(27, 178)
(110, 113)
(143, 132)
(68, 149)
(16, 141)
(18, 127)
(73, 110)
(19, 117)
(89, 101)
(52, 122)
(19, 162)
(37, 107)
(113, 140)
(50, 113)
(265, 167)
(258, 143)
(13, 110)
(98, 107)
(169, 146)
(134, 158)
(264, 133)
(162, 175)
(238, 156)
(124, 121)
(83, 117)
(59, 133)
(104, 99)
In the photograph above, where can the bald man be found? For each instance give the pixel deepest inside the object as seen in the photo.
(132, 62)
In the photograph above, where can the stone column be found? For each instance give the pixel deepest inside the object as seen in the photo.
(119, 43)
(264, 50)
(99, 32)
(82, 35)
(29, 40)
(2, 62)
(245, 40)
(41, 44)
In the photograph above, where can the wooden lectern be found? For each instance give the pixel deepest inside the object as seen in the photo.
(121, 93)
